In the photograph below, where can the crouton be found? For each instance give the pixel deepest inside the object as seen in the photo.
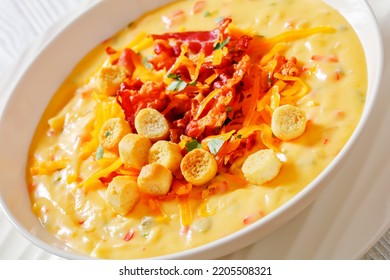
(167, 154)
(152, 124)
(288, 122)
(198, 167)
(154, 179)
(261, 167)
(134, 149)
(122, 194)
(112, 132)
(109, 79)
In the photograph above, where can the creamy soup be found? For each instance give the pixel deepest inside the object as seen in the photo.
(248, 100)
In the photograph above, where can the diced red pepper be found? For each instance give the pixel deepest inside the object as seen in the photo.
(110, 50)
(107, 179)
(175, 18)
(128, 236)
(198, 7)
(329, 58)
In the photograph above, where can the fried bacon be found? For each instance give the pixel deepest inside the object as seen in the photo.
(167, 46)
(216, 82)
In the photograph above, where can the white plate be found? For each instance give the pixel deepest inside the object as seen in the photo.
(349, 216)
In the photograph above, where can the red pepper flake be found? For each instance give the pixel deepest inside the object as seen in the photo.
(338, 75)
(329, 58)
(110, 50)
(253, 218)
(184, 230)
(317, 57)
(129, 235)
(107, 179)
(332, 58)
(198, 7)
(325, 141)
(174, 19)
(247, 220)
(340, 114)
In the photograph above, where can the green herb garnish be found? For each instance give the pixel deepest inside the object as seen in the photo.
(220, 45)
(207, 14)
(99, 152)
(192, 145)
(174, 76)
(147, 64)
(214, 145)
(177, 85)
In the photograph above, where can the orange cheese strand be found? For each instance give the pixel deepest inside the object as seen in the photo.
(185, 210)
(104, 172)
(297, 34)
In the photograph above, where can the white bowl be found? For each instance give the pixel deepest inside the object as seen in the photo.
(34, 90)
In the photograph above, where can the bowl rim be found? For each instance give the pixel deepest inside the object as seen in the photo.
(299, 202)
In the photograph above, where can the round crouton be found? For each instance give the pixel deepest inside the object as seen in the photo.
(109, 79)
(198, 167)
(288, 122)
(261, 167)
(154, 179)
(152, 124)
(122, 194)
(167, 154)
(134, 149)
(112, 132)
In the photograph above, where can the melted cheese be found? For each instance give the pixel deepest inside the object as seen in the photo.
(81, 217)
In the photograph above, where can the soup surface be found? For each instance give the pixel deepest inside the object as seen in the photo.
(194, 121)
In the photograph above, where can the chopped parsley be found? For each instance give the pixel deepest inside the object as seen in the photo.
(177, 84)
(174, 76)
(192, 84)
(99, 152)
(220, 45)
(107, 133)
(192, 145)
(147, 64)
(207, 14)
